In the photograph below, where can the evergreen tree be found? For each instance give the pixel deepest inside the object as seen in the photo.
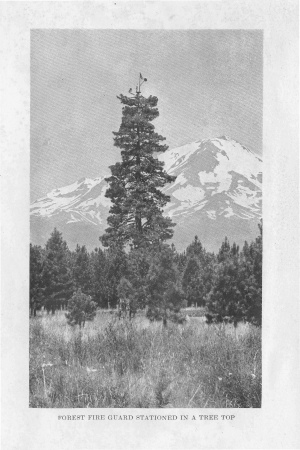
(57, 277)
(136, 216)
(36, 279)
(192, 283)
(226, 300)
(251, 265)
(165, 296)
(224, 251)
(195, 249)
(180, 260)
(116, 269)
(236, 293)
(100, 281)
(108, 268)
(198, 273)
(82, 271)
(246, 250)
(257, 257)
(139, 261)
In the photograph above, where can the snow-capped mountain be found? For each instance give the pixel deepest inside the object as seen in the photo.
(81, 201)
(217, 193)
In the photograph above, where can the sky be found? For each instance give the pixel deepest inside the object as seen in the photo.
(209, 83)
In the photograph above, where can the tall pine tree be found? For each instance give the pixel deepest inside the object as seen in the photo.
(136, 216)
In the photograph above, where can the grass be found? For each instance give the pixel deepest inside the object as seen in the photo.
(123, 364)
(194, 312)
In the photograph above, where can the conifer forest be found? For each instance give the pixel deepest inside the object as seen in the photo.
(135, 323)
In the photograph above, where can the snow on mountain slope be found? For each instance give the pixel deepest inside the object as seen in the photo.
(217, 192)
(214, 175)
(82, 200)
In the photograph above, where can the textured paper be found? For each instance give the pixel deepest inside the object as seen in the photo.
(275, 425)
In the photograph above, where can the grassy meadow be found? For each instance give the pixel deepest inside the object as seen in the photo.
(115, 363)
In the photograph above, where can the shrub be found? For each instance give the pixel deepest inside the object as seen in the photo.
(81, 308)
